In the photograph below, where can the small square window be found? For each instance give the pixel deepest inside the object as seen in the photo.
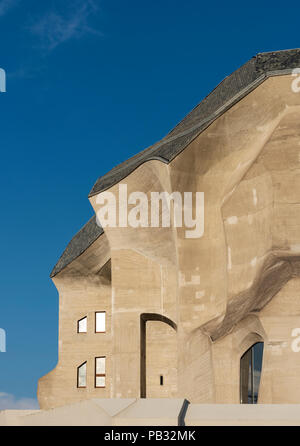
(100, 322)
(100, 381)
(82, 325)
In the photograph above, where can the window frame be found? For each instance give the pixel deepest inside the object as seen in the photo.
(78, 386)
(249, 355)
(100, 375)
(96, 312)
(79, 320)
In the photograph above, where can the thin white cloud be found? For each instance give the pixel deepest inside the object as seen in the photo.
(54, 27)
(9, 401)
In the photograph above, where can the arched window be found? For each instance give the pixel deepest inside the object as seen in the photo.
(250, 372)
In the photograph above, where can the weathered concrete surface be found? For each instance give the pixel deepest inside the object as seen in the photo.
(14, 417)
(243, 415)
(281, 365)
(218, 289)
(100, 412)
(85, 287)
(154, 412)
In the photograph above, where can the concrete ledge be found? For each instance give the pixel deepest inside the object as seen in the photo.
(243, 415)
(154, 412)
(13, 417)
(151, 412)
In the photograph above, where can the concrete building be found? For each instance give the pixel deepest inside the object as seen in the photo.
(208, 314)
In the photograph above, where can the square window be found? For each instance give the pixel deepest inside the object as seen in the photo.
(100, 381)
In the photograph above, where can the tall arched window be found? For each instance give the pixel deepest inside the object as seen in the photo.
(250, 372)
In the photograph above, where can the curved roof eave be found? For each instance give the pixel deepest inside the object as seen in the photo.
(79, 243)
(231, 90)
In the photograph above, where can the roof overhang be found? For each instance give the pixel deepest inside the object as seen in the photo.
(230, 91)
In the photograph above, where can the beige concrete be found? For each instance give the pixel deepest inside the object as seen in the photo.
(245, 415)
(150, 412)
(161, 337)
(82, 293)
(234, 286)
(154, 412)
(227, 352)
(281, 367)
(100, 412)
(14, 417)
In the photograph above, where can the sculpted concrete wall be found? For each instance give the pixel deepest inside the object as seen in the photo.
(195, 367)
(217, 288)
(281, 366)
(161, 360)
(216, 163)
(144, 279)
(227, 353)
(84, 288)
(153, 412)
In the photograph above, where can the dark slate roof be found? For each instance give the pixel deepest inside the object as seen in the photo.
(79, 243)
(231, 90)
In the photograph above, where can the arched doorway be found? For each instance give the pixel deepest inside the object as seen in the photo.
(250, 373)
(146, 317)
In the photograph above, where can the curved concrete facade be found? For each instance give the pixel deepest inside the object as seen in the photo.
(233, 286)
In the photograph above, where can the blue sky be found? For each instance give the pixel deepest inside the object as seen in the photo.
(89, 84)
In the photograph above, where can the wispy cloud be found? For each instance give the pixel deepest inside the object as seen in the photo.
(54, 27)
(6, 5)
(9, 401)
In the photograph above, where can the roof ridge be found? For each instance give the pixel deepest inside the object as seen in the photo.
(228, 92)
